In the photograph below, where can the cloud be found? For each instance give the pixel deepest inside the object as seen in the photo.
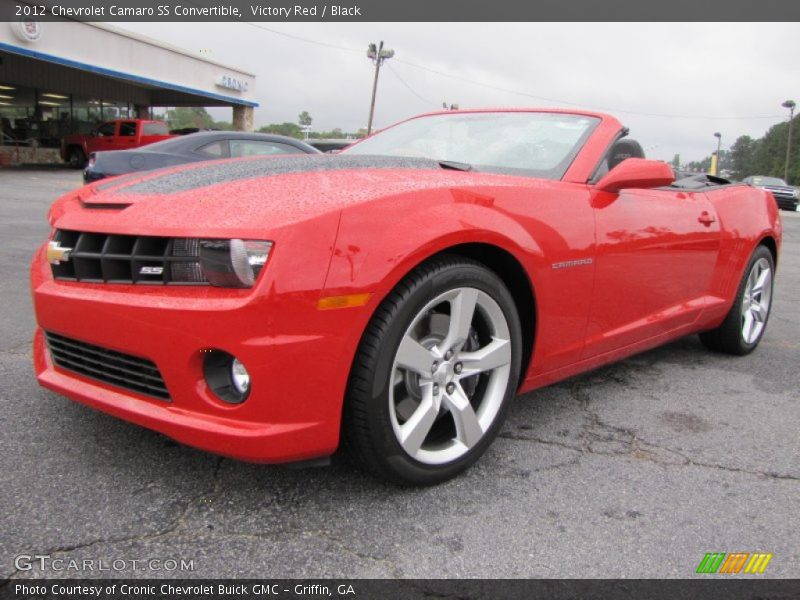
(650, 76)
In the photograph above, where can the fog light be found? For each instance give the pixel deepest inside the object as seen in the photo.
(226, 376)
(240, 377)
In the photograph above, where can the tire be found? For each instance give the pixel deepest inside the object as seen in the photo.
(746, 322)
(76, 158)
(442, 411)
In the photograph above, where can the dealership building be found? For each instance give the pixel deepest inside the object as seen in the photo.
(63, 77)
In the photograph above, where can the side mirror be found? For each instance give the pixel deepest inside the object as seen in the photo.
(636, 173)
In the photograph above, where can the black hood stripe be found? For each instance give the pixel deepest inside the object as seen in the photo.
(212, 173)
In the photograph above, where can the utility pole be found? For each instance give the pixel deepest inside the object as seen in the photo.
(718, 135)
(378, 55)
(790, 105)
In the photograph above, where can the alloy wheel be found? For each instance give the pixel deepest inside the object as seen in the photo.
(756, 300)
(450, 375)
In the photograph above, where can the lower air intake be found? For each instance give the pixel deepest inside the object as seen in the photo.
(115, 368)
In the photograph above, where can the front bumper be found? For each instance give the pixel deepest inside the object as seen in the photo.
(298, 358)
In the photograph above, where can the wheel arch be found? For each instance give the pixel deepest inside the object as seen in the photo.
(506, 266)
(771, 245)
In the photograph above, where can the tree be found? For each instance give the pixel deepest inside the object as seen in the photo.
(742, 154)
(182, 117)
(196, 116)
(764, 156)
(304, 119)
(288, 129)
(676, 161)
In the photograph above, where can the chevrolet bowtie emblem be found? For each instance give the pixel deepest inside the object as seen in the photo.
(56, 254)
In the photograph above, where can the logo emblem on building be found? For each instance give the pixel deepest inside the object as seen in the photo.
(27, 30)
(232, 83)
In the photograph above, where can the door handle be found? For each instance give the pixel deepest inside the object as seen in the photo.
(706, 219)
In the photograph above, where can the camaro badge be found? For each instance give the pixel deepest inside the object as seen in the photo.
(56, 254)
(572, 263)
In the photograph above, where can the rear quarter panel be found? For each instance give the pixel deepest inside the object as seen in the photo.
(747, 216)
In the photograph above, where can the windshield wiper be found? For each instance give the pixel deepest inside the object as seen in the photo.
(455, 166)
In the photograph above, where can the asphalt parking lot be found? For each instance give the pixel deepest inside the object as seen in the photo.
(634, 470)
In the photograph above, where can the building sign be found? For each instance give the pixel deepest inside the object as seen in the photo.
(232, 83)
(27, 30)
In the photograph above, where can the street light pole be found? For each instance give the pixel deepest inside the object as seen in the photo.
(790, 105)
(718, 135)
(378, 55)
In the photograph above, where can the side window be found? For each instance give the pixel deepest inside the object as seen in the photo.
(259, 148)
(155, 128)
(105, 130)
(212, 150)
(602, 169)
(127, 129)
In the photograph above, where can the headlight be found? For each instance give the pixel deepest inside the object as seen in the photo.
(233, 263)
(796, 193)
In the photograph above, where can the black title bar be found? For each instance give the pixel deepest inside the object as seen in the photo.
(402, 10)
(707, 588)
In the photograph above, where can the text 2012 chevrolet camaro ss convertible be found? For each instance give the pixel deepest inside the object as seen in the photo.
(394, 298)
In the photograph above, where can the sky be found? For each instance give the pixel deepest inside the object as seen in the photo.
(673, 85)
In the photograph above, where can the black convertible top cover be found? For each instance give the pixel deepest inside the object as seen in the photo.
(699, 181)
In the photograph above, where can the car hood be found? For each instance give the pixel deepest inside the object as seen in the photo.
(241, 194)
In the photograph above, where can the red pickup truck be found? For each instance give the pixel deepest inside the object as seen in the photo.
(121, 134)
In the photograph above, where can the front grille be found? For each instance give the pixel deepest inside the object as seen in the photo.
(783, 192)
(115, 368)
(105, 258)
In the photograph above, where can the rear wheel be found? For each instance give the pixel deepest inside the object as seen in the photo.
(76, 158)
(434, 374)
(744, 326)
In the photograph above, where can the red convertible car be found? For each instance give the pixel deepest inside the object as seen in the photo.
(394, 298)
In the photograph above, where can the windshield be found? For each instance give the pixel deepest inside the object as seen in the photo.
(515, 143)
(768, 181)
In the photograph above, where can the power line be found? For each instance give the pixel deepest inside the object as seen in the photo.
(511, 91)
(302, 39)
(560, 101)
(410, 89)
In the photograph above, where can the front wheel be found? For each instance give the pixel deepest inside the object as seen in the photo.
(434, 374)
(744, 326)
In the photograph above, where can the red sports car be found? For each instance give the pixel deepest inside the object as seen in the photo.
(393, 298)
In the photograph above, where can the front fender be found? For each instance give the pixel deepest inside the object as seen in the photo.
(377, 245)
